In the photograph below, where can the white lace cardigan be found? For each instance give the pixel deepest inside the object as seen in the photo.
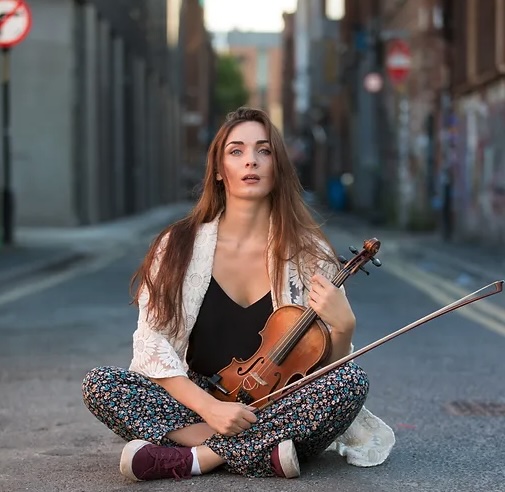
(367, 442)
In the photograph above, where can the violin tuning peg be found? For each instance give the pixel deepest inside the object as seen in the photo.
(353, 250)
(342, 259)
(366, 271)
(376, 262)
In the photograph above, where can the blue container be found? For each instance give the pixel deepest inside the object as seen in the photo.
(336, 194)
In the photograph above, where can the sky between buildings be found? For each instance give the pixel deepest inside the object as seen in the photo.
(246, 15)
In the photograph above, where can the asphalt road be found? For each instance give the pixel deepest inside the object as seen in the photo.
(52, 332)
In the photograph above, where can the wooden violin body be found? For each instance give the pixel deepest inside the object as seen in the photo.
(281, 359)
(294, 343)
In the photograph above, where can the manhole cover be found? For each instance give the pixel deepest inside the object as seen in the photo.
(476, 408)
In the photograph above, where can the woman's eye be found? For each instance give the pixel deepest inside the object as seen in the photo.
(235, 152)
(265, 151)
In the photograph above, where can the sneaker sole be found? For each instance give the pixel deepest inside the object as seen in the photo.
(125, 463)
(289, 459)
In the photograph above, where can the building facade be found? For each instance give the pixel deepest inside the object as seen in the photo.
(288, 75)
(96, 111)
(198, 74)
(311, 94)
(260, 58)
(423, 153)
(388, 134)
(474, 121)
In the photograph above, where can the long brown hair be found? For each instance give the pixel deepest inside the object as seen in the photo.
(293, 230)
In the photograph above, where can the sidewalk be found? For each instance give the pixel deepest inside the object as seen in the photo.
(426, 250)
(39, 249)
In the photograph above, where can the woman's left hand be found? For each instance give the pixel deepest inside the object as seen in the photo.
(331, 305)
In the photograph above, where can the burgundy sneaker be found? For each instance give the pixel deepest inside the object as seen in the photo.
(141, 460)
(285, 460)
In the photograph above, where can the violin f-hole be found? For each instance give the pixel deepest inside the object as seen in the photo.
(243, 372)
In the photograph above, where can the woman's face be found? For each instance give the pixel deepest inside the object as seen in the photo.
(248, 162)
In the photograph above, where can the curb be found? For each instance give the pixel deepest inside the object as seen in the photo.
(88, 242)
(459, 263)
(59, 262)
(412, 250)
(84, 243)
(416, 254)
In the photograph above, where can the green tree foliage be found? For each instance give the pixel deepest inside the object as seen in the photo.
(230, 89)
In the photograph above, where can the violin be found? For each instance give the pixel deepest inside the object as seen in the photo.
(478, 295)
(294, 342)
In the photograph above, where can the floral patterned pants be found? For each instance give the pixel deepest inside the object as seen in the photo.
(313, 416)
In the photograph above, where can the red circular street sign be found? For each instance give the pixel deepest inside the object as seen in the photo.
(398, 61)
(15, 22)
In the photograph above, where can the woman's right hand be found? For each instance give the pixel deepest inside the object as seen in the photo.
(229, 418)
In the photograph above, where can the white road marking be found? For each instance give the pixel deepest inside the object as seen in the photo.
(33, 286)
(443, 292)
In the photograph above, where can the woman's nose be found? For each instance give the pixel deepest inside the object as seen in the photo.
(251, 164)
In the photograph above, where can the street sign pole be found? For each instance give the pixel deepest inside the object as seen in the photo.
(398, 65)
(7, 195)
(15, 24)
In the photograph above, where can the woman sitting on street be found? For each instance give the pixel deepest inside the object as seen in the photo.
(205, 290)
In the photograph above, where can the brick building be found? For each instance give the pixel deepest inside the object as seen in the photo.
(288, 75)
(260, 57)
(394, 133)
(474, 128)
(414, 109)
(197, 76)
(426, 153)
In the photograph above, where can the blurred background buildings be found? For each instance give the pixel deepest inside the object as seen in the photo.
(115, 103)
(259, 55)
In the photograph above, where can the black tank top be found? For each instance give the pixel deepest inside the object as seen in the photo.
(224, 330)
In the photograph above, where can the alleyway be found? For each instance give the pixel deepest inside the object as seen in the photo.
(52, 333)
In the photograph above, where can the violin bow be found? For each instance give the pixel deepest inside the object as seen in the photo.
(468, 299)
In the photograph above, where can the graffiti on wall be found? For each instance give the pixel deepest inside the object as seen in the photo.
(479, 200)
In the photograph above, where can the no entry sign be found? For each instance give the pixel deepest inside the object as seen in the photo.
(398, 61)
(15, 22)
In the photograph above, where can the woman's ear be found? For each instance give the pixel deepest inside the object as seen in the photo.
(219, 177)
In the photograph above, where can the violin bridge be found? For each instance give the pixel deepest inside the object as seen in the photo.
(258, 379)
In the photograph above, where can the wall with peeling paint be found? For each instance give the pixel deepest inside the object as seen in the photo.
(479, 169)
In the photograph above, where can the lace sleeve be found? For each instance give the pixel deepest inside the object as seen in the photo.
(325, 268)
(154, 355)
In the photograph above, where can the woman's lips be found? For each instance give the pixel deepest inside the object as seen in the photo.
(251, 178)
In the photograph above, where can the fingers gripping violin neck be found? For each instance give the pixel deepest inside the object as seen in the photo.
(294, 342)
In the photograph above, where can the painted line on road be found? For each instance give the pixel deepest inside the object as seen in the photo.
(32, 287)
(443, 292)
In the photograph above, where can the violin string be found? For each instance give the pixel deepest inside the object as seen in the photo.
(282, 347)
(300, 326)
(468, 299)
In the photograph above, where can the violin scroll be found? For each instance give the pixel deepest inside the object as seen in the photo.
(370, 249)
